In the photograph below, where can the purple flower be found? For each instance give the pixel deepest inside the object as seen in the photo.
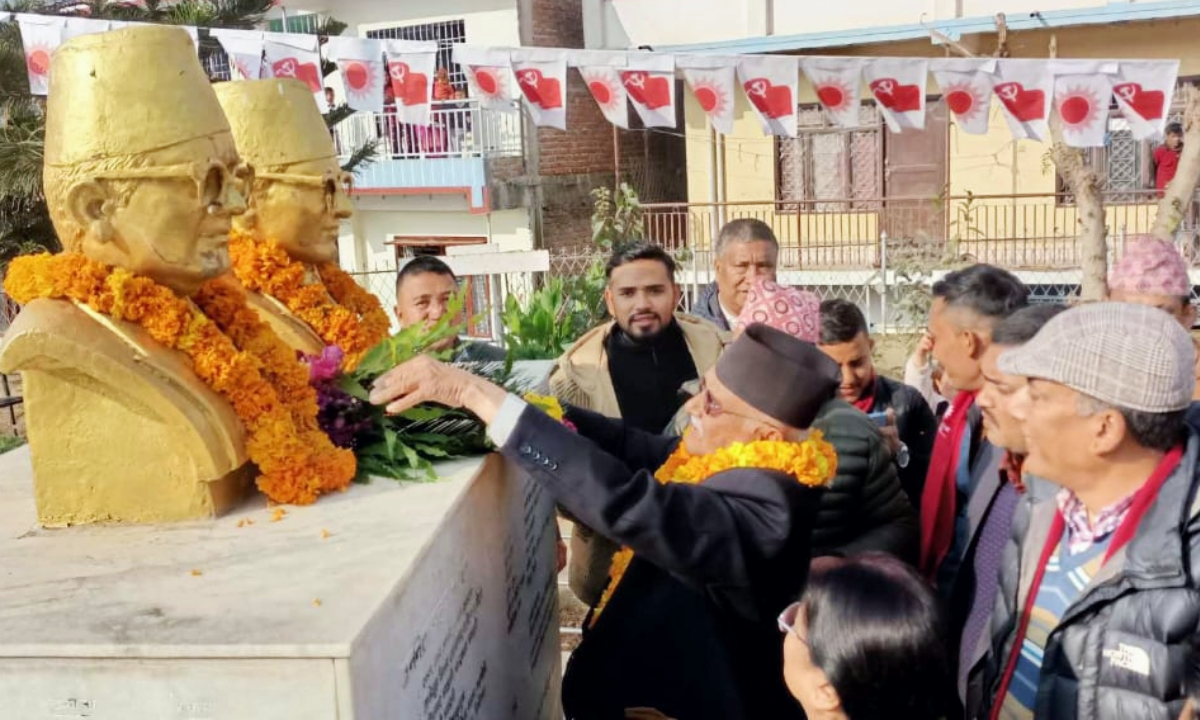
(327, 365)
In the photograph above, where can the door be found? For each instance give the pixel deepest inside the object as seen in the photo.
(915, 180)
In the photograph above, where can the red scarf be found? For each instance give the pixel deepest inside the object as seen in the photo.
(939, 499)
(867, 401)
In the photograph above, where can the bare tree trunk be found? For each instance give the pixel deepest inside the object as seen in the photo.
(1178, 193)
(1084, 184)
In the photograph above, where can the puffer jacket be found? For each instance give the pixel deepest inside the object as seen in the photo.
(864, 509)
(1118, 651)
(708, 307)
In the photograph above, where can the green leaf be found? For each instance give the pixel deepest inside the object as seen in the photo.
(389, 437)
(352, 387)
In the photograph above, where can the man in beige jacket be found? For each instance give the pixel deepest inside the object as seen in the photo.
(633, 368)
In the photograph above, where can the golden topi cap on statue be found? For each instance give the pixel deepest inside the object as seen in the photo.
(127, 92)
(275, 122)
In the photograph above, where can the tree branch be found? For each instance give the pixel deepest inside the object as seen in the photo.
(1179, 191)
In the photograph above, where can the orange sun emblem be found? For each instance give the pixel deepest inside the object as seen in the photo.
(965, 101)
(38, 60)
(1078, 107)
(834, 93)
(713, 98)
(605, 91)
(361, 78)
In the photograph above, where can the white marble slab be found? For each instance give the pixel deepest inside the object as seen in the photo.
(387, 601)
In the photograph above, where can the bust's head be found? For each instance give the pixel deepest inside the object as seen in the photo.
(141, 171)
(299, 193)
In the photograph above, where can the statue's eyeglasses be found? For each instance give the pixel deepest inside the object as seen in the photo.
(212, 178)
(330, 182)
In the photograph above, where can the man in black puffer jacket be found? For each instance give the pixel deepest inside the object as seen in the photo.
(1098, 594)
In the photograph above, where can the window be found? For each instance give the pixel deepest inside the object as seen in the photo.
(297, 23)
(447, 34)
(831, 163)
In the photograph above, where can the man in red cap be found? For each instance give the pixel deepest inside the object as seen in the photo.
(716, 528)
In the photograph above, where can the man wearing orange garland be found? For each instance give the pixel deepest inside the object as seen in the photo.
(716, 527)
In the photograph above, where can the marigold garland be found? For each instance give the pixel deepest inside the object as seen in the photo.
(811, 462)
(336, 308)
(234, 353)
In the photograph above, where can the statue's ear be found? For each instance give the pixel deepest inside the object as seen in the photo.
(85, 202)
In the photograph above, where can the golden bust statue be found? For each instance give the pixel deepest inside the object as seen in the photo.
(297, 200)
(141, 174)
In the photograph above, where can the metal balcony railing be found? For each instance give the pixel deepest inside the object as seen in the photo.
(457, 128)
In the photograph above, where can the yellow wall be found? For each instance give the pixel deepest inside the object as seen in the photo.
(991, 164)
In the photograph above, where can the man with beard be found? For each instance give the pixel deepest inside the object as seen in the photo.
(716, 527)
(632, 368)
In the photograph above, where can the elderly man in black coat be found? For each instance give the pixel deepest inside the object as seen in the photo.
(690, 628)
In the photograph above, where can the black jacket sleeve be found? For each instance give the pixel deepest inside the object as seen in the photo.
(638, 449)
(917, 428)
(715, 534)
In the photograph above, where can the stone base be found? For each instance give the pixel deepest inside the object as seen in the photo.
(388, 601)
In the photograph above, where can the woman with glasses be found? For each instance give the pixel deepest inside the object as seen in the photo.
(865, 642)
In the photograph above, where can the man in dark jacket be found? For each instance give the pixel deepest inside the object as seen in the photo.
(910, 425)
(689, 628)
(745, 249)
(1098, 597)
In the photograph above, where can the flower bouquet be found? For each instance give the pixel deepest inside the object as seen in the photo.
(404, 446)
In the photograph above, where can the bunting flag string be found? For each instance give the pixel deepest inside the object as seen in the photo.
(713, 81)
(1027, 90)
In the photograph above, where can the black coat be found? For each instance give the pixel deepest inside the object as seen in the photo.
(691, 629)
(917, 428)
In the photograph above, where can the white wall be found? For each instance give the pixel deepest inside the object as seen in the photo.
(487, 22)
(618, 24)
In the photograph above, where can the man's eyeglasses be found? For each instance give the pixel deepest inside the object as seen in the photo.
(712, 408)
(787, 620)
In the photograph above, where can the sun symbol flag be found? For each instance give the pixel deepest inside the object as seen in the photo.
(1144, 89)
(713, 81)
(898, 86)
(295, 56)
(836, 82)
(1082, 105)
(244, 48)
(410, 69)
(542, 78)
(489, 78)
(650, 85)
(363, 71)
(1024, 89)
(40, 38)
(604, 83)
(968, 95)
(771, 84)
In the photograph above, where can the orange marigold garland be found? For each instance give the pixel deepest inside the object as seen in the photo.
(296, 460)
(811, 462)
(336, 308)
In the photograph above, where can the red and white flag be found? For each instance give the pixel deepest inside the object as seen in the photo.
(650, 84)
(713, 81)
(898, 85)
(364, 74)
(836, 82)
(772, 84)
(295, 55)
(1082, 105)
(542, 77)
(40, 36)
(410, 67)
(1144, 90)
(489, 77)
(245, 50)
(1024, 89)
(601, 72)
(966, 86)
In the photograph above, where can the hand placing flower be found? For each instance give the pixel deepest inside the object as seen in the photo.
(424, 379)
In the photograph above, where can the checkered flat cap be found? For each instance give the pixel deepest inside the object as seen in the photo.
(1134, 357)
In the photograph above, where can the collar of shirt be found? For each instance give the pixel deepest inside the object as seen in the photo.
(1082, 534)
(730, 317)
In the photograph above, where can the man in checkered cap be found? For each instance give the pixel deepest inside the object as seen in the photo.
(1098, 593)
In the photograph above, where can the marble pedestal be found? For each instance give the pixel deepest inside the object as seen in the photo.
(387, 602)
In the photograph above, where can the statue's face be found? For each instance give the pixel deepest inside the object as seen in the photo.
(301, 208)
(167, 217)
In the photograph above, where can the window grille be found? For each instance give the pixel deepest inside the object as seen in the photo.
(447, 34)
(830, 163)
